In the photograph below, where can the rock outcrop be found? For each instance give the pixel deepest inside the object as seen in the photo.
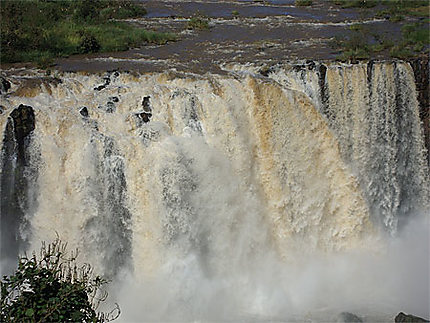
(421, 72)
(408, 318)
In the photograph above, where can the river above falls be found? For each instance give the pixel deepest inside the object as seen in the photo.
(240, 32)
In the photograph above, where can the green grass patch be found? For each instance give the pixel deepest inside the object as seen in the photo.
(356, 3)
(40, 30)
(361, 43)
(198, 22)
(303, 3)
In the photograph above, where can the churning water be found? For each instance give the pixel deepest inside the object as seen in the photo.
(242, 197)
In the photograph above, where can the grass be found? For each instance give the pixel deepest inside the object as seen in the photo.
(39, 30)
(303, 3)
(362, 44)
(356, 3)
(198, 22)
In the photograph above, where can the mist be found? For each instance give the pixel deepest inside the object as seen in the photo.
(373, 284)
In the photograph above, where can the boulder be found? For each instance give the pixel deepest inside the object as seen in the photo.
(84, 112)
(4, 85)
(346, 317)
(146, 105)
(144, 116)
(110, 107)
(24, 121)
(408, 318)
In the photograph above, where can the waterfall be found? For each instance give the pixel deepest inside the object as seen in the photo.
(203, 187)
(373, 111)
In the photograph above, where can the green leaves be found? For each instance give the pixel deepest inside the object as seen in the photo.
(52, 288)
(29, 312)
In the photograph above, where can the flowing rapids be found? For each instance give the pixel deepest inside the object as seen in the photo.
(226, 197)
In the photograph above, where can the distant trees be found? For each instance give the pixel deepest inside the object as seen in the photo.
(51, 287)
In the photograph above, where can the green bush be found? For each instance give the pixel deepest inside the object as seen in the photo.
(198, 22)
(89, 44)
(51, 287)
(400, 51)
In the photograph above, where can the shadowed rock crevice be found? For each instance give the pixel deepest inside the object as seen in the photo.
(421, 72)
(17, 181)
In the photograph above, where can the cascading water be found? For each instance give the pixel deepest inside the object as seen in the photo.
(222, 197)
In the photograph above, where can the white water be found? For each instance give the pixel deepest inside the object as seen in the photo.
(240, 199)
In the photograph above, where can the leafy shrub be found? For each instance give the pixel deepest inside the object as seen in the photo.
(198, 22)
(52, 288)
(89, 44)
(122, 9)
(87, 10)
(400, 51)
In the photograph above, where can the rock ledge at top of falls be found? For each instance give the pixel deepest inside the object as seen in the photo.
(24, 121)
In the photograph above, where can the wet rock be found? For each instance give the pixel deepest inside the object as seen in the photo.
(144, 117)
(369, 71)
(4, 85)
(266, 70)
(421, 68)
(346, 317)
(110, 107)
(84, 112)
(15, 182)
(114, 99)
(310, 64)
(24, 121)
(407, 318)
(106, 80)
(146, 105)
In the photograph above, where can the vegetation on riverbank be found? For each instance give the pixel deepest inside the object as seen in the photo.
(362, 43)
(40, 30)
(198, 22)
(303, 3)
(52, 287)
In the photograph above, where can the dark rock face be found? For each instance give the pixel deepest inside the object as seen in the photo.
(23, 121)
(322, 71)
(110, 107)
(421, 72)
(84, 112)
(106, 80)
(407, 318)
(144, 116)
(2, 109)
(146, 104)
(4, 85)
(17, 180)
(346, 317)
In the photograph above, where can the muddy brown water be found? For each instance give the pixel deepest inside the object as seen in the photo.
(264, 32)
